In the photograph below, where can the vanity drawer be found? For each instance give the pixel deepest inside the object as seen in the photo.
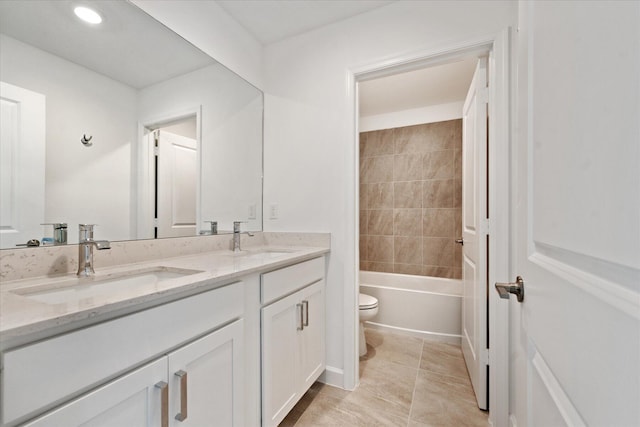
(279, 283)
(46, 373)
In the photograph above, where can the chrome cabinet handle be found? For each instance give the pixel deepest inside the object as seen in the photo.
(182, 415)
(305, 305)
(164, 403)
(301, 327)
(517, 288)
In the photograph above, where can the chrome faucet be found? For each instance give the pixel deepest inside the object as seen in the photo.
(85, 245)
(236, 235)
(213, 230)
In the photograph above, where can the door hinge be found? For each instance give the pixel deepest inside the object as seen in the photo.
(156, 151)
(484, 356)
(483, 95)
(155, 222)
(485, 226)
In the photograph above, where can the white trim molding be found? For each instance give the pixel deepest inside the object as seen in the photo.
(498, 45)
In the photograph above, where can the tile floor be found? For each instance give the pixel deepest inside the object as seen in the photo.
(404, 381)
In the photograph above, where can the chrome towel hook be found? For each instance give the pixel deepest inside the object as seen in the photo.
(86, 141)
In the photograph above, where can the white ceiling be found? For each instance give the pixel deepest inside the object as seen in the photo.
(270, 21)
(415, 89)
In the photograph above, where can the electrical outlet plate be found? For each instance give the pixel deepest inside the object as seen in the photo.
(273, 211)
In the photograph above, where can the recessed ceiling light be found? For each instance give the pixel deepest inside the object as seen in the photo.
(88, 15)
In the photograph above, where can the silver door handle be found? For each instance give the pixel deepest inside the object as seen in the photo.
(182, 415)
(301, 327)
(460, 241)
(517, 288)
(305, 305)
(164, 403)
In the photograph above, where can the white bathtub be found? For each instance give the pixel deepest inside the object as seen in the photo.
(425, 307)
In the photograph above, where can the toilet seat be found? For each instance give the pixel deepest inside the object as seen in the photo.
(367, 302)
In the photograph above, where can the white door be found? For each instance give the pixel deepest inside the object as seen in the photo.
(22, 157)
(177, 175)
(281, 324)
(474, 233)
(206, 380)
(132, 400)
(575, 341)
(311, 351)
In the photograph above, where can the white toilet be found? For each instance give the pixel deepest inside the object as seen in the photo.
(368, 309)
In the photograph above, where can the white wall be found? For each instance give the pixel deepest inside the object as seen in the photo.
(82, 186)
(414, 116)
(210, 28)
(231, 151)
(309, 124)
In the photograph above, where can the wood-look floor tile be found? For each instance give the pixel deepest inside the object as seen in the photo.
(393, 348)
(443, 358)
(445, 401)
(390, 381)
(404, 381)
(358, 408)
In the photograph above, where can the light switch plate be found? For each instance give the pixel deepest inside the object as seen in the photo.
(273, 211)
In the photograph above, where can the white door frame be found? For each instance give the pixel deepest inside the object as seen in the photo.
(500, 131)
(145, 199)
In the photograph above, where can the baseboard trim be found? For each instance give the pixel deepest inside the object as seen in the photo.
(431, 336)
(333, 377)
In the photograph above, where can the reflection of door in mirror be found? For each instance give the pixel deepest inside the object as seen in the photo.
(176, 180)
(22, 157)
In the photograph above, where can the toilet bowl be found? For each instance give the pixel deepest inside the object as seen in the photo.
(368, 308)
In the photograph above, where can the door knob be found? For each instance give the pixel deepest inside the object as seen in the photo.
(517, 288)
(460, 241)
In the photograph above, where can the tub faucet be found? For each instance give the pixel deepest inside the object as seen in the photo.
(85, 245)
(236, 235)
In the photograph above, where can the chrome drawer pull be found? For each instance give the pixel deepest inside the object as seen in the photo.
(164, 403)
(301, 327)
(182, 415)
(305, 305)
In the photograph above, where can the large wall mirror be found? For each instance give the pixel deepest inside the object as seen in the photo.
(123, 124)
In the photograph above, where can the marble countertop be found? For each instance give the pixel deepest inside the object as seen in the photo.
(22, 315)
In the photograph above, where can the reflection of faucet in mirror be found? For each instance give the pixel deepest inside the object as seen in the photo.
(59, 232)
(214, 228)
(85, 258)
(236, 235)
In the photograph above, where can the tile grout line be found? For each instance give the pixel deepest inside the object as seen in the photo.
(415, 383)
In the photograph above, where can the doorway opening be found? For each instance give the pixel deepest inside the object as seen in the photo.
(417, 201)
(176, 165)
(169, 174)
(496, 200)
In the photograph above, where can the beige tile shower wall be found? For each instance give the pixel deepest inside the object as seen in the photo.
(411, 199)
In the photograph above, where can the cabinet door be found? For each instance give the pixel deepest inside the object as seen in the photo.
(206, 380)
(132, 400)
(311, 351)
(281, 323)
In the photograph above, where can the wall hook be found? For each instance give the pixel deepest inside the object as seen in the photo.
(86, 141)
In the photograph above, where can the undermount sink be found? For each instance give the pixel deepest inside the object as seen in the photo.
(75, 290)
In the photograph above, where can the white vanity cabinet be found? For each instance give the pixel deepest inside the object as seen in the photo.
(136, 399)
(196, 385)
(101, 375)
(205, 380)
(293, 336)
